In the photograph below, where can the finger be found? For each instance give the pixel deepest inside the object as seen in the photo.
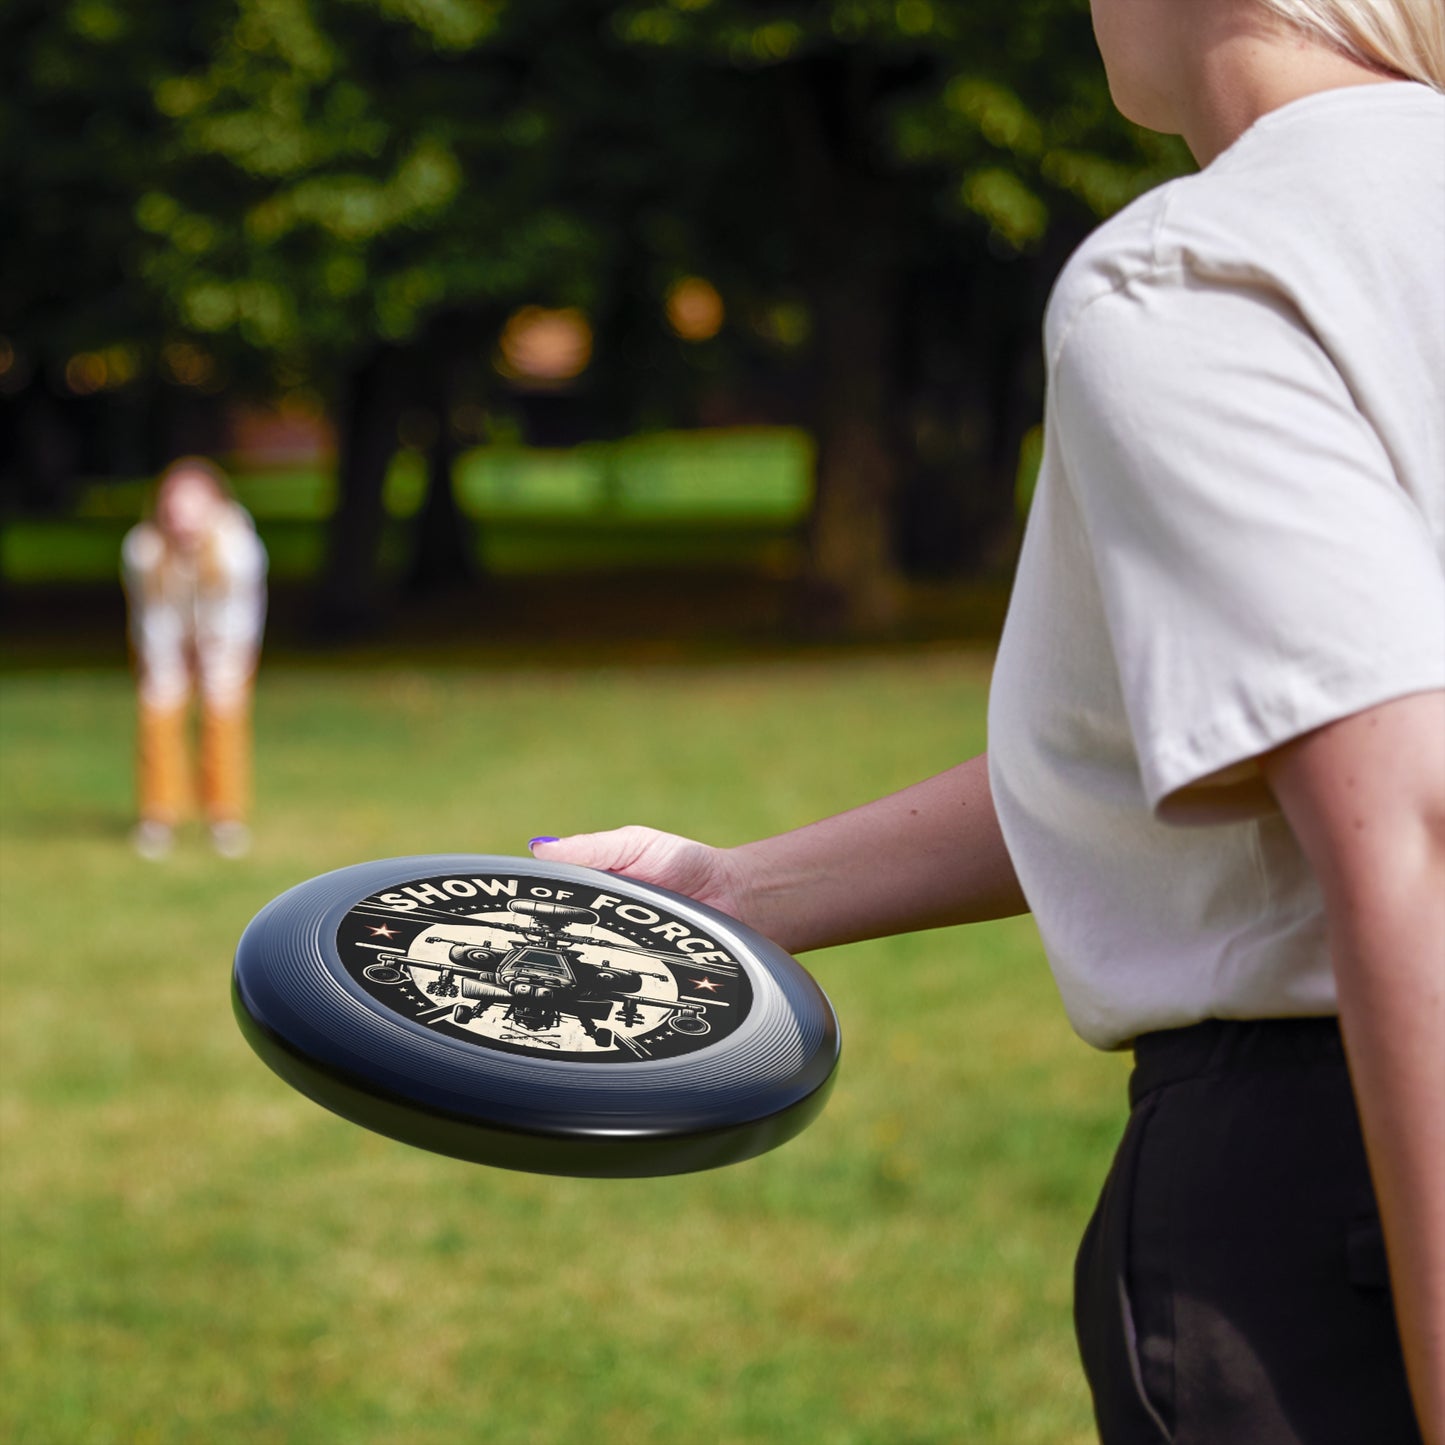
(610, 851)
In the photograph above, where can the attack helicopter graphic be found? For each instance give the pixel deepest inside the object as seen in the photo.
(544, 976)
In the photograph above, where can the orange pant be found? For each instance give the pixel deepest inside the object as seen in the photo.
(163, 762)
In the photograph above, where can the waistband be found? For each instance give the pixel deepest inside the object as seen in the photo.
(1225, 1046)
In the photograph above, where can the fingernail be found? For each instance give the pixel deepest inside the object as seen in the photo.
(533, 842)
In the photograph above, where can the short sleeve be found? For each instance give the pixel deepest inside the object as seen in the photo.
(1263, 571)
(140, 554)
(239, 551)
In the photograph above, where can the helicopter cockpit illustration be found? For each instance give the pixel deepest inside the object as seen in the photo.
(544, 977)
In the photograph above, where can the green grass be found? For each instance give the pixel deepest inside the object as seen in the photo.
(191, 1252)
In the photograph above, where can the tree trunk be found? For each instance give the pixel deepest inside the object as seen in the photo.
(442, 558)
(47, 450)
(851, 554)
(349, 601)
(974, 387)
(852, 264)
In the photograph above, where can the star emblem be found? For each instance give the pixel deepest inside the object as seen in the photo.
(705, 985)
(382, 930)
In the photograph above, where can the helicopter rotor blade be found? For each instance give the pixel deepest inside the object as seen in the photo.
(424, 914)
(420, 913)
(506, 927)
(432, 915)
(726, 968)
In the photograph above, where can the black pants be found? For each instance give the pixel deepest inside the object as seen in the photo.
(1231, 1288)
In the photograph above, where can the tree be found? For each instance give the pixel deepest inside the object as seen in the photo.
(352, 195)
(79, 139)
(341, 170)
(922, 142)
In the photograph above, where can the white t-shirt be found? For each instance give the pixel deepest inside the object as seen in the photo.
(196, 620)
(1238, 536)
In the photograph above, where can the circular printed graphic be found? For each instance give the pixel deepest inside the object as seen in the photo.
(541, 966)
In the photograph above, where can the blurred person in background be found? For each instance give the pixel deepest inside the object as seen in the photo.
(1216, 767)
(195, 583)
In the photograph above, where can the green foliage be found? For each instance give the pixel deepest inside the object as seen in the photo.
(366, 179)
(1003, 106)
(299, 178)
(79, 140)
(189, 1251)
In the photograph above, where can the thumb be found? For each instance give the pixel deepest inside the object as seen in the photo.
(611, 852)
(681, 864)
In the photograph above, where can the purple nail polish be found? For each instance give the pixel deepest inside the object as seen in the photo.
(533, 842)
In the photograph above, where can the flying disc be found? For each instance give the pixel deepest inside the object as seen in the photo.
(535, 1016)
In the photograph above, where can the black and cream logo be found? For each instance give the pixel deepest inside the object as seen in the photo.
(541, 966)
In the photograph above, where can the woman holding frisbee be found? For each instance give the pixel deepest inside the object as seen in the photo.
(1216, 771)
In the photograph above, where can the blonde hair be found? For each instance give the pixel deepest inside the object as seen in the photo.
(1404, 37)
(210, 571)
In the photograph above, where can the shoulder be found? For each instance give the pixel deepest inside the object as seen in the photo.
(1115, 256)
(1336, 187)
(143, 549)
(237, 544)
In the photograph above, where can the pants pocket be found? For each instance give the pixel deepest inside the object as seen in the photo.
(1104, 1316)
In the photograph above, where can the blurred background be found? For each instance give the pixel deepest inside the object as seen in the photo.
(639, 404)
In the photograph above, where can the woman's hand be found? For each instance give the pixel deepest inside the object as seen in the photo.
(710, 875)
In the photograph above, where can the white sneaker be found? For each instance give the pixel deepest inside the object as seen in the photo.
(231, 839)
(152, 840)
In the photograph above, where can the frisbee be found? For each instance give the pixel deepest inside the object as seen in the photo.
(535, 1016)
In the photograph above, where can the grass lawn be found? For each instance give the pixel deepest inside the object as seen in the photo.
(193, 1253)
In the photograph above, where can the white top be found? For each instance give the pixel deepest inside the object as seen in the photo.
(196, 619)
(1238, 536)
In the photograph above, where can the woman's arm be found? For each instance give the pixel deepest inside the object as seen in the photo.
(1366, 799)
(926, 857)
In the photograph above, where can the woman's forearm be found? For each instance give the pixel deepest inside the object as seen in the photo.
(926, 857)
(1366, 799)
(1389, 956)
